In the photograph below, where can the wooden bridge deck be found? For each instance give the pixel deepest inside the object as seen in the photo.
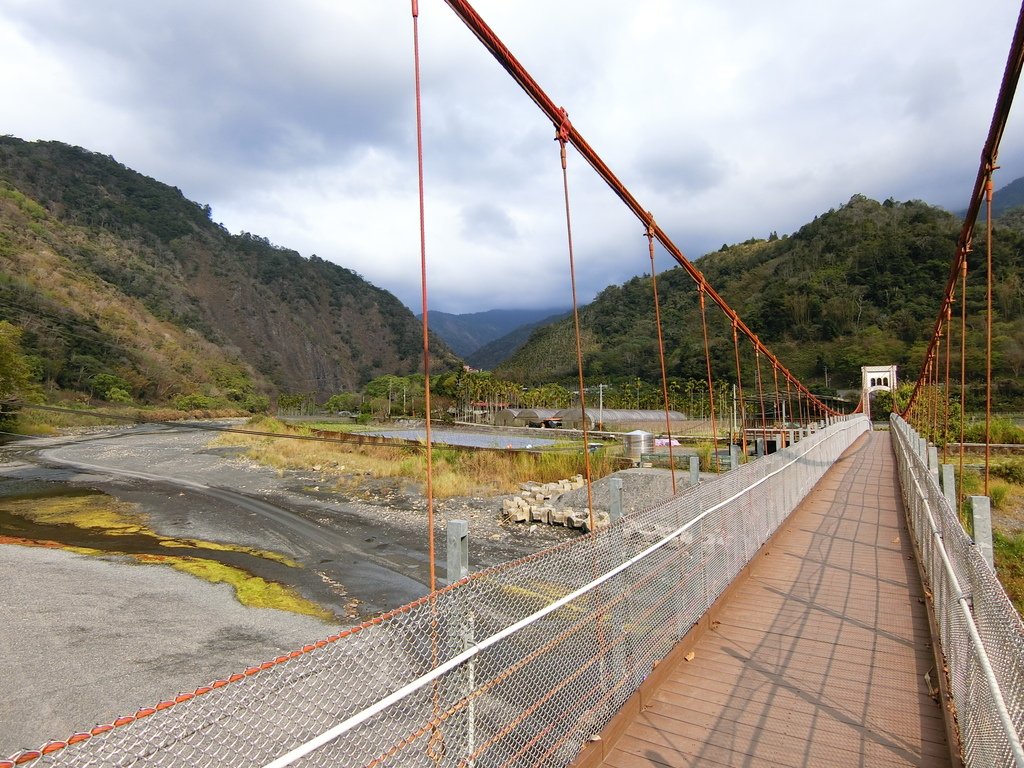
(818, 658)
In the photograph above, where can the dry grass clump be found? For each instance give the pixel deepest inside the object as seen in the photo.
(456, 472)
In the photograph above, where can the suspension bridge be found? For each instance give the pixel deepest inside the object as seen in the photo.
(822, 605)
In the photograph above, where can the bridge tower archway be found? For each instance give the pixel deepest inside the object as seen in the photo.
(876, 378)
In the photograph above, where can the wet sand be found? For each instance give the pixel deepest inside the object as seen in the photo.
(86, 640)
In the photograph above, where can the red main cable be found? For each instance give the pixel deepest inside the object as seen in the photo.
(556, 115)
(1007, 89)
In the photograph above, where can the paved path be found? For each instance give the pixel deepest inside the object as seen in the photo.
(820, 657)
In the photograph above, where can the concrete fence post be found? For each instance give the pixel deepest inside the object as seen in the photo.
(981, 525)
(458, 568)
(734, 456)
(933, 461)
(458, 550)
(694, 470)
(760, 447)
(615, 506)
(949, 484)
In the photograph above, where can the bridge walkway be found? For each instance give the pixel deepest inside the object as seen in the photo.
(818, 658)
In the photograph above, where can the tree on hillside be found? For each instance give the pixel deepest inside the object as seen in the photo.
(17, 376)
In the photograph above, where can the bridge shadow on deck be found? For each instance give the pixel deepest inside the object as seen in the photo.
(819, 658)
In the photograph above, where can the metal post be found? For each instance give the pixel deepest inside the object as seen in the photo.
(694, 470)
(458, 550)
(458, 568)
(733, 435)
(615, 508)
(981, 523)
(949, 485)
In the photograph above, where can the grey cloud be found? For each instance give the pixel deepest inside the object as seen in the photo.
(683, 167)
(228, 81)
(486, 221)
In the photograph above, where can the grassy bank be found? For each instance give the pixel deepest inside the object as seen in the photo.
(455, 472)
(45, 421)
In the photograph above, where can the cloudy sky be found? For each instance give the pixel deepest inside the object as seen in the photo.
(728, 120)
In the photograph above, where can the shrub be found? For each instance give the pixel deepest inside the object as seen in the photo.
(704, 453)
(1002, 430)
(256, 403)
(997, 493)
(1011, 471)
(118, 395)
(193, 402)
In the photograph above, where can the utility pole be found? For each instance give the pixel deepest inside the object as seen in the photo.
(600, 405)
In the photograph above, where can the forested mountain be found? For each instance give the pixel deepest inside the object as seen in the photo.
(467, 333)
(493, 353)
(858, 285)
(112, 274)
(1005, 198)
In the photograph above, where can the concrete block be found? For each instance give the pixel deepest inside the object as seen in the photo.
(539, 514)
(519, 515)
(556, 517)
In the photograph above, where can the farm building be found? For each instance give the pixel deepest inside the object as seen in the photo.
(522, 417)
(619, 419)
(507, 417)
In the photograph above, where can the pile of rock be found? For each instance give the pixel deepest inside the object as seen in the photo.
(534, 504)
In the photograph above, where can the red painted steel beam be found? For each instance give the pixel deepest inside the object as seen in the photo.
(564, 127)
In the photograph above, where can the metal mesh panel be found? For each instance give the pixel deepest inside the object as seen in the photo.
(503, 694)
(980, 632)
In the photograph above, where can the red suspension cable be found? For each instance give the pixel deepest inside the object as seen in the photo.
(649, 234)
(562, 138)
(1000, 115)
(554, 113)
(988, 326)
(423, 290)
(711, 384)
(739, 384)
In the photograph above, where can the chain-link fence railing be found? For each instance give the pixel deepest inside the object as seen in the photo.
(981, 634)
(517, 665)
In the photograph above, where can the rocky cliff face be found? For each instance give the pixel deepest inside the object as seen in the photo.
(293, 324)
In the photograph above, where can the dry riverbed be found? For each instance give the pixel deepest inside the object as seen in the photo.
(99, 622)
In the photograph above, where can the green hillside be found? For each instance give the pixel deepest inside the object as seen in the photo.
(858, 285)
(110, 273)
